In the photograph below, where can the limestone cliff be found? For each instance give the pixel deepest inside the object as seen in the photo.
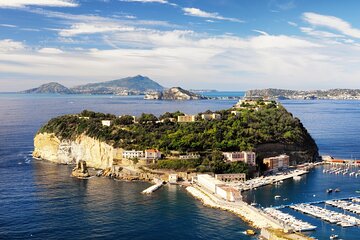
(97, 154)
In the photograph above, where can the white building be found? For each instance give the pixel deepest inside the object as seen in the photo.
(246, 157)
(152, 154)
(190, 156)
(173, 178)
(211, 116)
(132, 154)
(218, 187)
(106, 123)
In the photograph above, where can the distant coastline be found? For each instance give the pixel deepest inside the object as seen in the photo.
(284, 94)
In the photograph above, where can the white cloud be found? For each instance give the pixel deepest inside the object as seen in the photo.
(292, 24)
(261, 32)
(8, 25)
(331, 22)
(45, 3)
(50, 51)
(8, 45)
(93, 28)
(196, 12)
(321, 34)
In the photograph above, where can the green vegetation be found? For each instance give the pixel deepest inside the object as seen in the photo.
(270, 124)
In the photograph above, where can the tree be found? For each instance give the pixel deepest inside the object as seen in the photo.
(125, 120)
(145, 118)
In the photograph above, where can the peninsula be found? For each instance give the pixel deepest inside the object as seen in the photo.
(282, 94)
(174, 93)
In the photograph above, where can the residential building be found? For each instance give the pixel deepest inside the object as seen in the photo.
(236, 113)
(152, 154)
(230, 177)
(246, 157)
(132, 154)
(211, 116)
(274, 163)
(187, 118)
(106, 123)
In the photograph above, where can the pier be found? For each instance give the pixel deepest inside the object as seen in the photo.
(316, 202)
(153, 188)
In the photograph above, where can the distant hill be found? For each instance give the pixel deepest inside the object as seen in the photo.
(52, 87)
(125, 86)
(174, 93)
(336, 94)
(138, 85)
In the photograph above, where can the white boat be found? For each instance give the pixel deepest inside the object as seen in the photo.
(334, 236)
(297, 177)
(277, 197)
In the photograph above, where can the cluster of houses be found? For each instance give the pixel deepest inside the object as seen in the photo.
(149, 155)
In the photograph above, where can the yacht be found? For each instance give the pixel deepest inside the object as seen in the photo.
(277, 197)
(334, 236)
(329, 190)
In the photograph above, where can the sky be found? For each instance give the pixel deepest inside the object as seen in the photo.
(195, 44)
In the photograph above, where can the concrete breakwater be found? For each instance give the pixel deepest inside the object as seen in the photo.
(270, 227)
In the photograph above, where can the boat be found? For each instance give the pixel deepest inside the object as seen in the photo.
(253, 204)
(277, 197)
(334, 236)
(357, 191)
(250, 232)
(337, 190)
(296, 177)
(329, 190)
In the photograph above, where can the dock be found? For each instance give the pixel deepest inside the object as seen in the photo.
(153, 188)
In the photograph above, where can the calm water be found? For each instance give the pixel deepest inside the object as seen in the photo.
(40, 201)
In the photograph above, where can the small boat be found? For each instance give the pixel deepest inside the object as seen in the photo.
(253, 204)
(277, 197)
(357, 191)
(334, 236)
(250, 232)
(297, 178)
(329, 190)
(337, 190)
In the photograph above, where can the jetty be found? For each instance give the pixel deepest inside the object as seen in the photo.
(263, 181)
(271, 228)
(159, 183)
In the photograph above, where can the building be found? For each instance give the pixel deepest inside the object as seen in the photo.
(239, 177)
(173, 178)
(132, 154)
(275, 163)
(187, 118)
(218, 187)
(246, 157)
(211, 116)
(236, 113)
(106, 123)
(190, 156)
(152, 154)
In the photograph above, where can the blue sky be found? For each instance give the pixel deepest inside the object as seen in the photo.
(212, 44)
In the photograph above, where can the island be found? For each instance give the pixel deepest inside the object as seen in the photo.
(282, 94)
(174, 93)
(211, 153)
(137, 85)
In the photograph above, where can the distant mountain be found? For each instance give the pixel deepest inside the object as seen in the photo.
(52, 87)
(133, 85)
(174, 93)
(336, 94)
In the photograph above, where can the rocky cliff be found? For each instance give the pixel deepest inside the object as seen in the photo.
(97, 154)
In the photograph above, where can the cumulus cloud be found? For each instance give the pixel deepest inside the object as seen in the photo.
(331, 22)
(196, 12)
(50, 51)
(44, 3)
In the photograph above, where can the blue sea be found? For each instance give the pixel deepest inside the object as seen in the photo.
(39, 200)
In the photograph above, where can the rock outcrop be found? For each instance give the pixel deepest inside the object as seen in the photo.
(80, 171)
(97, 154)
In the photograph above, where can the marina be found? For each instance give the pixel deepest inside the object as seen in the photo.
(348, 206)
(327, 215)
(290, 221)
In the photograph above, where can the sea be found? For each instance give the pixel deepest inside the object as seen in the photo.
(39, 200)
